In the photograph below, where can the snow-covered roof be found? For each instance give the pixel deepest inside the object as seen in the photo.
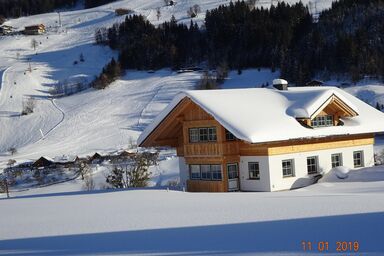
(65, 159)
(262, 114)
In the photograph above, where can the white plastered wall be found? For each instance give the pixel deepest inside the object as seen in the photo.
(247, 184)
(301, 178)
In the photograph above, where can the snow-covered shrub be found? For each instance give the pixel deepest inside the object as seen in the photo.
(379, 158)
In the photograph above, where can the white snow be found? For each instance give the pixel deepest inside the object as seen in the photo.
(157, 222)
(264, 111)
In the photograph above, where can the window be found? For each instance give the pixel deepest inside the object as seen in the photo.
(254, 172)
(205, 172)
(229, 136)
(193, 135)
(212, 134)
(195, 171)
(232, 171)
(336, 160)
(216, 172)
(288, 167)
(202, 134)
(312, 164)
(358, 159)
(322, 121)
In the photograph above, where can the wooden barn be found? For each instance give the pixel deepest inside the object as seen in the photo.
(38, 29)
(43, 162)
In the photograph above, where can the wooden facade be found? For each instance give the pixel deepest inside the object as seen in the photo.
(174, 131)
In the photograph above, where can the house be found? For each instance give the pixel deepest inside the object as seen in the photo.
(264, 139)
(5, 30)
(66, 161)
(35, 29)
(97, 158)
(43, 162)
(314, 83)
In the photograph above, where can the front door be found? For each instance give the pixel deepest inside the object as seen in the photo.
(233, 177)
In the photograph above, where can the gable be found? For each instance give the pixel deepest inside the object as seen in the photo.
(334, 106)
(167, 132)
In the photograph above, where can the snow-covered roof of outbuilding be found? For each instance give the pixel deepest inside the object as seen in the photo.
(260, 115)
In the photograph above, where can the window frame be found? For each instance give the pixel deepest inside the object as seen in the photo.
(257, 170)
(361, 152)
(322, 121)
(314, 165)
(190, 172)
(340, 155)
(292, 167)
(212, 174)
(212, 134)
(202, 134)
(195, 136)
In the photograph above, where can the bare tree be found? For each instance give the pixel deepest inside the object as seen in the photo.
(84, 169)
(193, 11)
(12, 150)
(207, 81)
(89, 184)
(34, 44)
(222, 72)
(28, 106)
(4, 186)
(158, 13)
(11, 163)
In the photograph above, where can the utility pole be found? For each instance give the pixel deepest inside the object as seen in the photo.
(59, 19)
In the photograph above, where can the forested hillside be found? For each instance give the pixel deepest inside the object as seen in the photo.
(347, 39)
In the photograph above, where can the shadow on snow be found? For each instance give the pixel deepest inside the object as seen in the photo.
(282, 236)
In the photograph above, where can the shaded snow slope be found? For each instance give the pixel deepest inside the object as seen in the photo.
(157, 222)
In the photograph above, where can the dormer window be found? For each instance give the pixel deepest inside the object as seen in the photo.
(322, 121)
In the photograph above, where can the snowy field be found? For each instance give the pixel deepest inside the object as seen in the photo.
(50, 221)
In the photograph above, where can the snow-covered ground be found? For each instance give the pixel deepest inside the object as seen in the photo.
(58, 221)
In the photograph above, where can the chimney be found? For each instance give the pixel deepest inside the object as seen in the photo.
(280, 84)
